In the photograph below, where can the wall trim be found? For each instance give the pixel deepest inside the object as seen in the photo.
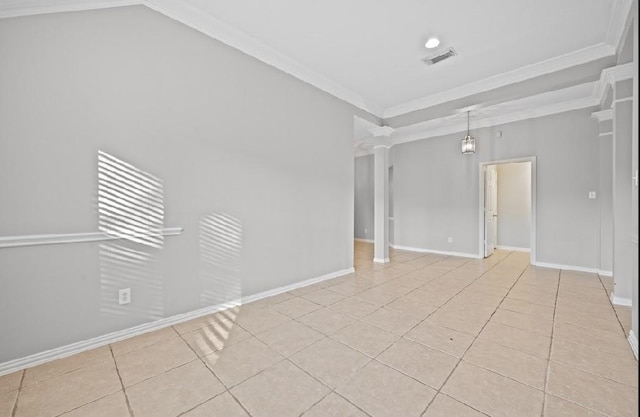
(605, 273)
(84, 345)
(381, 261)
(633, 342)
(620, 301)
(513, 248)
(437, 252)
(618, 23)
(608, 77)
(603, 115)
(357, 239)
(581, 56)
(62, 238)
(565, 267)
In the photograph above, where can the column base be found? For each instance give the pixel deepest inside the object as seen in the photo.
(381, 260)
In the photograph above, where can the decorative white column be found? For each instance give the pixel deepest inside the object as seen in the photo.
(605, 187)
(381, 146)
(622, 211)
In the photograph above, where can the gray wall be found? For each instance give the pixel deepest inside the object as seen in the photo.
(514, 205)
(606, 199)
(246, 154)
(364, 197)
(436, 187)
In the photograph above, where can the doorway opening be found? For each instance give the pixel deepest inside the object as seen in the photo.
(507, 210)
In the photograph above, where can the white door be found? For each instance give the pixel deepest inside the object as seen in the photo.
(490, 209)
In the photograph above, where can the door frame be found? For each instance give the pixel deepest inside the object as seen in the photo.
(481, 219)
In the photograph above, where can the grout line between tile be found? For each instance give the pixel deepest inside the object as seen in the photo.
(14, 409)
(126, 397)
(553, 318)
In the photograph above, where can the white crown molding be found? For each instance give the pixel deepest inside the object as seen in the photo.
(559, 63)
(381, 131)
(53, 6)
(618, 23)
(78, 347)
(414, 132)
(603, 115)
(609, 76)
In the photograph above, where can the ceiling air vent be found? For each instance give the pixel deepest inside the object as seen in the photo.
(430, 60)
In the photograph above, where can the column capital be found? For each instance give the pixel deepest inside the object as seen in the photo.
(382, 136)
(603, 115)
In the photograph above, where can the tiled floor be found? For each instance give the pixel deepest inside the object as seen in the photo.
(426, 335)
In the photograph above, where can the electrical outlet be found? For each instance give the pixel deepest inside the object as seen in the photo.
(366, 231)
(592, 195)
(124, 296)
(449, 240)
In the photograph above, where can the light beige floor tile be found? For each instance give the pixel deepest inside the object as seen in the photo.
(530, 309)
(521, 321)
(480, 298)
(376, 297)
(144, 340)
(589, 321)
(257, 320)
(441, 338)
(61, 366)
(394, 288)
(557, 407)
(224, 405)
(152, 360)
(527, 342)
(299, 292)
(7, 401)
(427, 365)
(66, 392)
(391, 320)
(511, 363)
(283, 390)
(493, 394)
(605, 341)
(365, 338)
(334, 405)
(468, 309)
(458, 322)
(212, 338)
(608, 365)
(113, 405)
(430, 295)
(384, 392)
(218, 320)
(323, 297)
(354, 307)
(326, 321)
(349, 288)
(289, 337)
(236, 363)
(546, 300)
(174, 392)
(10, 382)
(274, 299)
(444, 406)
(331, 362)
(591, 391)
(295, 307)
(411, 308)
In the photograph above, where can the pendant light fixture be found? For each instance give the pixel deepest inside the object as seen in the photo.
(468, 143)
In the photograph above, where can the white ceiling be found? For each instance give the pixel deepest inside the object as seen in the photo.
(369, 52)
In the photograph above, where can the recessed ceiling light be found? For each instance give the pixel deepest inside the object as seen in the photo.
(432, 43)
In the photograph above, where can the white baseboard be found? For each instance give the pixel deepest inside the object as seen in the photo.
(605, 273)
(620, 301)
(84, 345)
(438, 252)
(381, 261)
(633, 341)
(513, 248)
(567, 267)
(357, 239)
